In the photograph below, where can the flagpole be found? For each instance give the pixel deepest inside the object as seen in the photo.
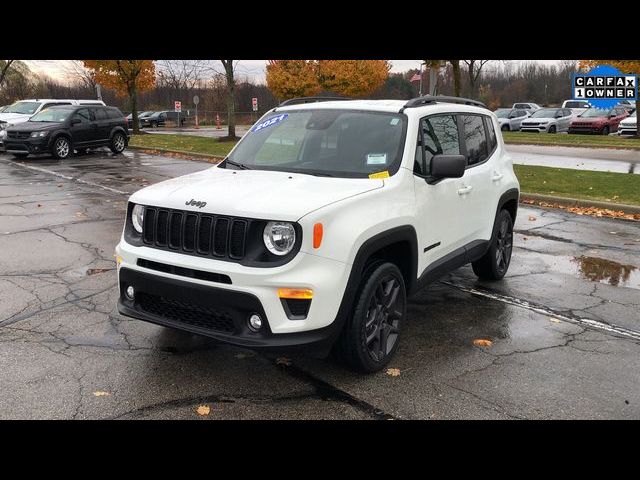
(420, 91)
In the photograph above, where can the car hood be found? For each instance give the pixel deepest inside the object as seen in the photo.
(14, 117)
(538, 120)
(253, 193)
(502, 121)
(34, 126)
(591, 119)
(630, 121)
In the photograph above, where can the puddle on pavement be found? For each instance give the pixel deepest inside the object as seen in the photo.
(607, 271)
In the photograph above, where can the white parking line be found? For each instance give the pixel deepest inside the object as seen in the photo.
(625, 332)
(66, 177)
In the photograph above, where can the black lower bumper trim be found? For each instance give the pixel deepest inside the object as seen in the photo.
(191, 307)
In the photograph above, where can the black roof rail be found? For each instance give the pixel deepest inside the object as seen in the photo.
(300, 100)
(428, 99)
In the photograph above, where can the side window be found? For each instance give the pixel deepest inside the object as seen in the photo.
(83, 114)
(100, 113)
(475, 138)
(491, 132)
(440, 137)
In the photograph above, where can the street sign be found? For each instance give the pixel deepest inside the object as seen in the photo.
(196, 99)
(177, 106)
(254, 104)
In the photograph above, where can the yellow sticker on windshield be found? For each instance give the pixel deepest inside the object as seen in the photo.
(384, 174)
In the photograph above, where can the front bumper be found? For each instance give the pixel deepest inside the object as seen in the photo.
(237, 290)
(586, 129)
(27, 145)
(627, 130)
(534, 128)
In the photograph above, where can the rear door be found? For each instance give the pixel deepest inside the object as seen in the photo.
(103, 124)
(477, 188)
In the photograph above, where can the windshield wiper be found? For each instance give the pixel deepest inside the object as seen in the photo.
(236, 164)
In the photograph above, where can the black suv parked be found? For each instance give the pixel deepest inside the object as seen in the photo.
(159, 119)
(60, 130)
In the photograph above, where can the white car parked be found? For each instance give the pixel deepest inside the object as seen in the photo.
(23, 110)
(319, 224)
(576, 106)
(629, 126)
(510, 119)
(548, 120)
(526, 106)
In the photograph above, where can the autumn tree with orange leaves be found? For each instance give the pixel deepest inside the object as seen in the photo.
(126, 77)
(350, 78)
(293, 78)
(625, 66)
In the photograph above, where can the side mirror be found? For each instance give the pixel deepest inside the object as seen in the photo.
(448, 166)
(75, 121)
(613, 115)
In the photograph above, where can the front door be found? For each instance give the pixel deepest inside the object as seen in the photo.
(83, 131)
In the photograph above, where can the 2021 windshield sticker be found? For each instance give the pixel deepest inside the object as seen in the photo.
(269, 122)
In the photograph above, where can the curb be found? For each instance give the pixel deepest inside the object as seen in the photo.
(199, 156)
(574, 202)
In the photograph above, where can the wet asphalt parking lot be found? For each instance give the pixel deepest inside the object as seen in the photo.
(564, 325)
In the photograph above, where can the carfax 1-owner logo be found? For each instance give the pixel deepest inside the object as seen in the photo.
(605, 86)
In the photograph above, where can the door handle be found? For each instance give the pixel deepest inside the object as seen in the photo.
(464, 190)
(497, 176)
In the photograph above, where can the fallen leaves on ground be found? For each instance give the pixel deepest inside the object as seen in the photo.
(39, 205)
(93, 271)
(554, 320)
(283, 361)
(203, 410)
(482, 342)
(81, 215)
(591, 211)
(393, 372)
(532, 218)
(100, 393)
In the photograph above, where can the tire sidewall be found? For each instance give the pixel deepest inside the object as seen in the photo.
(494, 243)
(355, 336)
(113, 142)
(55, 150)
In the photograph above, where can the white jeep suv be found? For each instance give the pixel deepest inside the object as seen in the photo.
(320, 222)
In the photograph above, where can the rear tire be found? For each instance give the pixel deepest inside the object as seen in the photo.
(495, 263)
(372, 333)
(118, 143)
(61, 148)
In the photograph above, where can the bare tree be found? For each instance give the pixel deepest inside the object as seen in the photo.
(78, 74)
(457, 80)
(4, 68)
(231, 104)
(182, 74)
(474, 69)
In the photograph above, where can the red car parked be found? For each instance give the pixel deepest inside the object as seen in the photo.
(598, 120)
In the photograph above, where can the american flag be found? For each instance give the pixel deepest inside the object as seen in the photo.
(415, 78)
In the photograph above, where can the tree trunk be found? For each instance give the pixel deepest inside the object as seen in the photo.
(433, 80)
(455, 64)
(4, 71)
(231, 104)
(133, 95)
(472, 80)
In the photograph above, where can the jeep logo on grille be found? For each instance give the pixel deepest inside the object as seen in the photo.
(195, 203)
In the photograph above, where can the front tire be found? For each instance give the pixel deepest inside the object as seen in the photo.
(605, 131)
(371, 335)
(505, 128)
(552, 129)
(61, 148)
(118, 143)
(495, 263)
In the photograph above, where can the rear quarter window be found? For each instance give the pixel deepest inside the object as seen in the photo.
(492, 140)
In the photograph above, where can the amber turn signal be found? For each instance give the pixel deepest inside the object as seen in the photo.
(296, 293)
(317, 235)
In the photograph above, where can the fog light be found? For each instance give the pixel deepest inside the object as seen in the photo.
(130, 292)
(255, 322)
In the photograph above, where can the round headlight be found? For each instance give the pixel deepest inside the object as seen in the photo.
(279, 237)
(137, 217)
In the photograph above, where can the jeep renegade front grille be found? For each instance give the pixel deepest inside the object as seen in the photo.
(195, 233)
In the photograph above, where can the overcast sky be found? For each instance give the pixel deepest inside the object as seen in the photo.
(251, 70)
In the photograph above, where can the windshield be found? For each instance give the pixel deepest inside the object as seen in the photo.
(544, 113)
(25, 108)
(52, 115)
(594, 112)
(340, 143)
(504, 113)
(576, 105)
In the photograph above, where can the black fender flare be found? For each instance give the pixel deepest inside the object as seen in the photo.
(511, 194)
(404, 233)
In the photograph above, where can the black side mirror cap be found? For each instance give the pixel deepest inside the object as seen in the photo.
(448, 166)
